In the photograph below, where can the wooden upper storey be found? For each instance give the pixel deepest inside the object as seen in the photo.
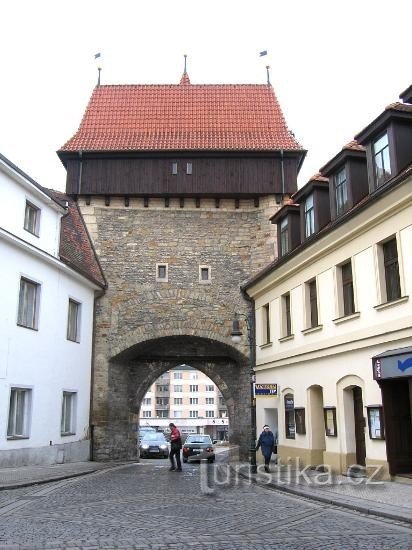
(182, 139)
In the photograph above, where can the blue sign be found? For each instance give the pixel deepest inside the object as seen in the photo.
(266, 389)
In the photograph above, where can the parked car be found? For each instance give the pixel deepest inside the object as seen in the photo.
(154, 444)
(198, 447)
(144, 430)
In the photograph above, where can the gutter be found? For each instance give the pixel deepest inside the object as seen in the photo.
(79, 182)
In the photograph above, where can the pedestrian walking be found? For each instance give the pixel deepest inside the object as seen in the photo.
(266, 442)
(175, 448)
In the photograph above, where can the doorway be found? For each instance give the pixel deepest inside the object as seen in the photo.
(397, 404)
(360, 424)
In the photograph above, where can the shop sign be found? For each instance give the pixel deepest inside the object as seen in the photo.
(394, 364)
(266, 389)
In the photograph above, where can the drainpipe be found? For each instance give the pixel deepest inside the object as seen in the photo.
(79, 182)
(283, 173)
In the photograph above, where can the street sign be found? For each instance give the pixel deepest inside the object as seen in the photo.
(266, 389)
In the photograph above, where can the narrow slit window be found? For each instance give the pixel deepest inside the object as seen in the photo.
(204, 274)
(189, 168)
(174, 168)
(162, 273)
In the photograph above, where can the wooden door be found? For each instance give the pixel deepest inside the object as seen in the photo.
(359, 426)
(398, 427)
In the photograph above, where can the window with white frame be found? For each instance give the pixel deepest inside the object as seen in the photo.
(193, 414)
(162, 413)
(68, 418)
(177, 375)
(178, 388)
(266, 324)
(174, 168)
(189, 168)
(32, 219)
(73, 321)
(19, 413)
(381, 160)
(194, 376)
(194, 400)
(147, 414)
(178, 401)
(162, 273)
(210, 414)
(177, 414)
(286, 319)
(193, 388)
(388, 270)
(210, 387)
(309, 216)
(204, 274)
(311, 304)
(210, 400)
(28, 304)
(147, 401)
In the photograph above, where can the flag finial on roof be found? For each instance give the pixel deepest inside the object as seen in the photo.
(268, 74)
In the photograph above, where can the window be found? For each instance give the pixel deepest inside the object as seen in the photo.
(265, 324)
(189, 167)
(210, 387)
(284, 236)
(19, 413)
(147, 414)
(210, 400)
(210, 414)
(330, 421)
(162, 388)
(391, 269)
(73, 321)
(300, 421)
(28, 304)
(309, 216)
(32, 219)
(341, 192)
(347, 289)
(162, 401)
(222, 413)
(312, 304)
(162, 414)
(381, 160)
(68, 420)
(162, 273)
(286, 317)
(178, 388)
(147, 401)
(178, 375)
(178, 401)
(194, 400)
(174, 168)
(204, 274)
(289, 416)
(193, 414)
(222, 401)
(177, 414)
(193, 388)
(194, 376)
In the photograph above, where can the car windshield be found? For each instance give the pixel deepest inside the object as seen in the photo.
(198, 439)
(154, 436)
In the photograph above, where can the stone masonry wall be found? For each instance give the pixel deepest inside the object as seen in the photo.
(235, 243)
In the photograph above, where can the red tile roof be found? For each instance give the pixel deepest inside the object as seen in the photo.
(183, 117)
(76, 249)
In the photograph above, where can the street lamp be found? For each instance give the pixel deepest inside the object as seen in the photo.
(236, 336)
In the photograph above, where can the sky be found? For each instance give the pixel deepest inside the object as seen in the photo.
(334, 66)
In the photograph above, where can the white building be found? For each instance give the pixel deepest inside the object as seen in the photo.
(50, 277)
(337, 303)
(189, 399)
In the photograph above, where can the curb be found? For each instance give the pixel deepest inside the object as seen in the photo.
(336, 501)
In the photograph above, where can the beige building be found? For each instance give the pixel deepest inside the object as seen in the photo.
(189, 399)
(334, 311)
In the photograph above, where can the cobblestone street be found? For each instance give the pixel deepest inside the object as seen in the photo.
(147, 506)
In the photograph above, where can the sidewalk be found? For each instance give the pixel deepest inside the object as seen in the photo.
(13, 478)
(390, 499)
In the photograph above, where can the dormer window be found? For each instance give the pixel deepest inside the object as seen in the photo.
(309, 216)
(341, 191)
(381, 160)
(284, 236)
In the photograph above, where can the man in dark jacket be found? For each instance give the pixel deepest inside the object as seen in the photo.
(175, 447)
(266, 442)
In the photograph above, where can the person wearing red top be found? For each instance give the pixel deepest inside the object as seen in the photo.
(175, 447)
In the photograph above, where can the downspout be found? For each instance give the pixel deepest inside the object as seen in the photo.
(283, 173)
(79, 182)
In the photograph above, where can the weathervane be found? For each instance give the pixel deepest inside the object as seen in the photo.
(97, 56)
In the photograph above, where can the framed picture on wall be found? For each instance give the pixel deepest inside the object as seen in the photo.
(300, 420)
(375, 422)
(330, 421)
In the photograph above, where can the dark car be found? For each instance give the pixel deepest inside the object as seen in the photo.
(198, 447)
(154, 444)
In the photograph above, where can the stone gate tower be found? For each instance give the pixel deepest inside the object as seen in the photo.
(176, 185)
